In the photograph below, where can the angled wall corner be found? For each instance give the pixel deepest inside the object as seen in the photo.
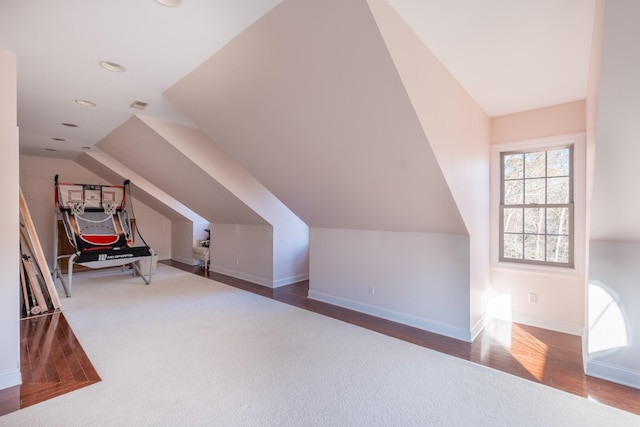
(309, 101)
(216, 188)
(614, 230)
(9, 288)
(458, 132)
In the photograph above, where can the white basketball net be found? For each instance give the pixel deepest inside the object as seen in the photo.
(77, 208)
(110, 208)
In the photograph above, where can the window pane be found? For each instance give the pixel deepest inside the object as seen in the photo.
(558, 249)
(558, 221)
(558, 190)
(512, 220)
(534, 165)
(534, 191)
(536, 206)
(512, 246)
(513, 193)
(558, 162)
(513, 166)
(534, 247)
(534, 220)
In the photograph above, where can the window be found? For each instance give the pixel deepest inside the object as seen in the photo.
(536, 206)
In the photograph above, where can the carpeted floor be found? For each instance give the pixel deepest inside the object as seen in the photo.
(190, 351)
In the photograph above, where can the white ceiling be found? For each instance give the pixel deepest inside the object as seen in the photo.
(510, 55)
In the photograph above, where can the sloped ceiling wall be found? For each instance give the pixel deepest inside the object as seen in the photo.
(101, 166)
(140, 148)
(309, 101)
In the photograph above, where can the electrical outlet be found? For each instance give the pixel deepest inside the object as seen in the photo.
(372, 290)
(533, 298)
(237, 261)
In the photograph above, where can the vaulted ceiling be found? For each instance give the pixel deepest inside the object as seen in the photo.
(509, 55)
(302, 93)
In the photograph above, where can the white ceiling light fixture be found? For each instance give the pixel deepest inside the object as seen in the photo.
(70, 125)
(59, 139)
(170, 3)
(85, 103)
(112, 66)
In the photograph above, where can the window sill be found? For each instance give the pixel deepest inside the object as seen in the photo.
(540, 269)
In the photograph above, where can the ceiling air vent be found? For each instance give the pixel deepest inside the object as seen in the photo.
(139, 105)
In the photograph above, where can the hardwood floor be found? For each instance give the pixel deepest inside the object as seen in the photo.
(53, 363)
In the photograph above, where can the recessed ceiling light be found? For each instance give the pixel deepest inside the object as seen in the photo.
(59, 139)
(170, 3)
(50, 149)
(112, 66)
(85, 103)
(86, 147)
(71, 125)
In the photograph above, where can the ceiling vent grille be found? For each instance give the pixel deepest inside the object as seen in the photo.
(139, 105)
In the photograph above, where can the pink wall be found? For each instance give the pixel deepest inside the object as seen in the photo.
(549, 121)
(561, 300)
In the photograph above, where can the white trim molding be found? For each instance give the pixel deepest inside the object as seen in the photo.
(244, 276)
(10, 379)
(615, 374)
(394, 316)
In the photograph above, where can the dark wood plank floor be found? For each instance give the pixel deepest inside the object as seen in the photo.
(52, 362)
(539, 355)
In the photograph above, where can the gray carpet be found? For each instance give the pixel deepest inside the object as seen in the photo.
(190, 351)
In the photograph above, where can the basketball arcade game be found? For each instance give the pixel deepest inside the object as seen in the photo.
(98, 226)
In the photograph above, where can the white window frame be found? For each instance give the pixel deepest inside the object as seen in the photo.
(577, 142)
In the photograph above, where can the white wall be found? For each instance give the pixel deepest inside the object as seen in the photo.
(183, 237)
(243, 251)
(289, 235)
(614, 227)
(155, 229)
(614, 267)
(458, 131)
(37, 183)
(216, 187)
(9, 226)
(591, 108)
(419, 279)
(291, 254)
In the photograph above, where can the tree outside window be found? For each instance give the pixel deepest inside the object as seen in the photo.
(536, 208)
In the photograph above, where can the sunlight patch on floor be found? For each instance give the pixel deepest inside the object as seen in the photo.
(532, 355)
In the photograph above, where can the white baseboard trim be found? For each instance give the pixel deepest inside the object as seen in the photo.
(244, 276)
(188, 261)
(394, 316)
(564, 327)
(290, 280)
(479, 326)
(10, 379)
(616, 374)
